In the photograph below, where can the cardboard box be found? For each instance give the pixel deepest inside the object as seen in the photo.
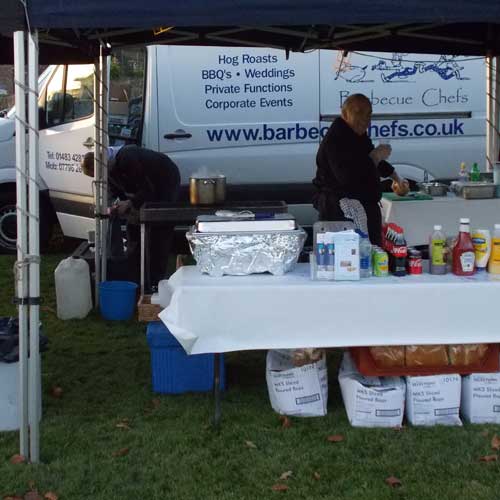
(371, 401)
(296, 391)
(481, 398)
(346, 256)
(433, 399)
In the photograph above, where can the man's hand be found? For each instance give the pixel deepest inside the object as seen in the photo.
(380, 153)
(400, 186)
(122, 207)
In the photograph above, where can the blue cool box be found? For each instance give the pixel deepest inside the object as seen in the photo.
(172, 370)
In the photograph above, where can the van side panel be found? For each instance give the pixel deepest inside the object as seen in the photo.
(431, 107)
(248, 113)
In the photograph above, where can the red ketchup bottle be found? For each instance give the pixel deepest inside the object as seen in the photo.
(463, 251)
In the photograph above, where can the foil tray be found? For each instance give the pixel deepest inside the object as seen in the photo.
(243, 253)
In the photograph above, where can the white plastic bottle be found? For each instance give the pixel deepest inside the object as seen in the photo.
(73, 293)
(365, 256)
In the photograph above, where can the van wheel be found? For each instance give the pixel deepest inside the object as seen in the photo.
(8, 223)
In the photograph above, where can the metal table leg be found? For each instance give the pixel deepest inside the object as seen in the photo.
(217, 391)
(143, 255)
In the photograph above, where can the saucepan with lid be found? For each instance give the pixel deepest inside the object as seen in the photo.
(207, 189)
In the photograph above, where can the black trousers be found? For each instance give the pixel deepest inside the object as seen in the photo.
(374, 220)
(160, 242)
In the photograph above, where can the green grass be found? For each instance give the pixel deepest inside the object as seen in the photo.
(103, 369)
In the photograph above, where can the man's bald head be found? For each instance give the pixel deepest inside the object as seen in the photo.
(357, 112)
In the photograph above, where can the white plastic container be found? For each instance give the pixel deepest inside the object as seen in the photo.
(73, 293)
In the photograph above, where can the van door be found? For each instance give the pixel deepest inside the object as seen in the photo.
(66, 113)
(66, 134)
(251, 114)
(431, 107)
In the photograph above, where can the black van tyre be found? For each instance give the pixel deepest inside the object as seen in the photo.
(8, 223)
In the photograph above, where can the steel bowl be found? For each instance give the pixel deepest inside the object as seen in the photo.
(434, 188)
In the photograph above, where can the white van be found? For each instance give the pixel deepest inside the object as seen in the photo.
(253, 114)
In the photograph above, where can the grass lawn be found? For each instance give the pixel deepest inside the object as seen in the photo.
(173, 453)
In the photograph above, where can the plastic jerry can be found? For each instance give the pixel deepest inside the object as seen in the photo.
(73, 292)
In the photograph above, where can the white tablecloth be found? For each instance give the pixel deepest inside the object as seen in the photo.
(235, 313)
(418, 217)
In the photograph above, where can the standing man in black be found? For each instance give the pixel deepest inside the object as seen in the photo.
(349, 170)
(136, 176)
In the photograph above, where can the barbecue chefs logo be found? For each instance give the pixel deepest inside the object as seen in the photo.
(397, 69)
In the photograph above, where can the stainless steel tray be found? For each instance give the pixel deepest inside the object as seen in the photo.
(474, 190)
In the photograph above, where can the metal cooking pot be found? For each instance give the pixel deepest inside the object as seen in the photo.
(207, 190)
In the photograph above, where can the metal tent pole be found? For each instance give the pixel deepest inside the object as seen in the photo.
(492, 111)
(22, 238)
(103, 102)
(34, 252)
(496, 110)
(97, 180)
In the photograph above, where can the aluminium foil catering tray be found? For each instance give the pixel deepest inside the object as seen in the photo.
(243, 253)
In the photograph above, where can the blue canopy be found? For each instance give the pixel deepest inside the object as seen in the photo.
(148, 13)
(70, 30)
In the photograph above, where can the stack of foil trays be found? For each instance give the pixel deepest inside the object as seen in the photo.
(243, 253)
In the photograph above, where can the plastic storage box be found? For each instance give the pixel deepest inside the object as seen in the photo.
(172, 370)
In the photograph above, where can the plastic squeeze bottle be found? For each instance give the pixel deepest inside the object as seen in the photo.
(475, 174)
(494, 263)
(463, 251)
(463, 176)
(481, 239)
(437, 251)
(365, 256)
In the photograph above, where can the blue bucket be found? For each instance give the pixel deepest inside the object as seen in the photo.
(117, 299)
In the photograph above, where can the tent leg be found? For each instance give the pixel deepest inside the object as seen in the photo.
(492, 111)
(496, 110)
(22, 237)
(34, 251)
(97, 182)
(103, 101)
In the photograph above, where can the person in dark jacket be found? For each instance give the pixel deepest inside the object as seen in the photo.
(349, 168)
(136, 176)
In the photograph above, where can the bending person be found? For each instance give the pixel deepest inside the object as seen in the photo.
(136, 176)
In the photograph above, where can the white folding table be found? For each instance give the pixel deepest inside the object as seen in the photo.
(418, 217)
(234, 313)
